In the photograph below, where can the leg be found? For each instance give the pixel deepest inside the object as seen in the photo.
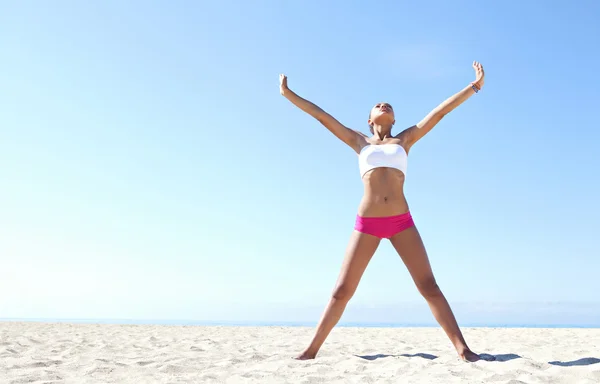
(358, 254)
(411, 249)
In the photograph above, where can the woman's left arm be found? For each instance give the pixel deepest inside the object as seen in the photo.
(413, 134)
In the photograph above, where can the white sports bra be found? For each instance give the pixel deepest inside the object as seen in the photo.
(382, 155)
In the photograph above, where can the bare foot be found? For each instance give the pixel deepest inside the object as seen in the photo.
(305, 356)
(471, 357)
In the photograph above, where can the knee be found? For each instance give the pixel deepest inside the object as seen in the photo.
(428, 288)
(343, 292)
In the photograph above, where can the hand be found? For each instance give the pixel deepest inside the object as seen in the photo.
(283, 83)
(479, 74)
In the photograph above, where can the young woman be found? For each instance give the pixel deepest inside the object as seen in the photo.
(383, 212)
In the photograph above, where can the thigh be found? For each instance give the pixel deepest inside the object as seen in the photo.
(411, 249)
(359, 252)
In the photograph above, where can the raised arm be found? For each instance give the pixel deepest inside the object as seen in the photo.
(347, 135)
(413, 134)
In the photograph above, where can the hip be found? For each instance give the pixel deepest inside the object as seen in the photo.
(384, 227)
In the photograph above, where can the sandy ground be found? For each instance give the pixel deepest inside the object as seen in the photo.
(89, 353)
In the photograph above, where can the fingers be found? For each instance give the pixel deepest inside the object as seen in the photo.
(282, 83)
(478, 68)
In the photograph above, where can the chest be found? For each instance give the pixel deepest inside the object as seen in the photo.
(383, 153)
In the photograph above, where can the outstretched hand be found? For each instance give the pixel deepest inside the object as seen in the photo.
(283, 83)
(479, 74)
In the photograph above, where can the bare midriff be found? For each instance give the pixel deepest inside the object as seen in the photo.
(383, 193)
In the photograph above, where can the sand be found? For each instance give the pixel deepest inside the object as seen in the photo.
(90, 353)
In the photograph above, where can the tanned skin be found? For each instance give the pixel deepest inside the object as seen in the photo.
(384, 196)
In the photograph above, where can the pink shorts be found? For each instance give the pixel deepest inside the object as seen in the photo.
(384, 227)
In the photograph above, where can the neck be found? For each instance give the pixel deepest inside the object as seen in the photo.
(382, 131)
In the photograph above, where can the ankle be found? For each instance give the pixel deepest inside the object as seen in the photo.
(462, 348)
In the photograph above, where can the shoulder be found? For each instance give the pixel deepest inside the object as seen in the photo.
(362, 135)
(405, 137)
(362, 141)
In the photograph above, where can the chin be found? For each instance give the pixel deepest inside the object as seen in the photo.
(385, 120)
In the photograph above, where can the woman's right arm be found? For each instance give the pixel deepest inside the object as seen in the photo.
(347, 135)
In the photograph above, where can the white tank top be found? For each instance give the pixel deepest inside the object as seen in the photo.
(382, 155)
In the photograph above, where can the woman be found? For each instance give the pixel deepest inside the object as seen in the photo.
(383, 211)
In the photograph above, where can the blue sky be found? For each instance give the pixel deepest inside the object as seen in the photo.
(151, 170)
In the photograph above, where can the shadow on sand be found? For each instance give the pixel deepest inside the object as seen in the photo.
(578, 362)
(380, 356)
(484, 356)
(500, 358)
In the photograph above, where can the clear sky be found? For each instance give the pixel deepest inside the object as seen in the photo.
(150, 169)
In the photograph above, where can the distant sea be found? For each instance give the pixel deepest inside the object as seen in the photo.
(288, 324)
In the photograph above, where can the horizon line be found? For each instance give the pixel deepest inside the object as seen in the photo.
(275, 323)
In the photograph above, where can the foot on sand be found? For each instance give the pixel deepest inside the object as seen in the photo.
(305, 356)
(471, 357)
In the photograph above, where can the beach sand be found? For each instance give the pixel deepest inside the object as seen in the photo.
(90, 353)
